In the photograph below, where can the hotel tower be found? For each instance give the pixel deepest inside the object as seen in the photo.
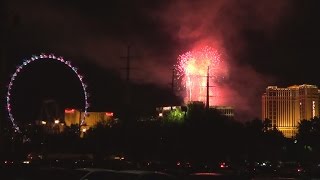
(286, 107)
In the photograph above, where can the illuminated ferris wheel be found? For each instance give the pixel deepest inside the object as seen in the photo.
(44, 57)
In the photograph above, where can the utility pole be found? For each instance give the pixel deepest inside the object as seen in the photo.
(208, 92)
(128, 69)
(173, 80)
(128, 64)
(128, 58)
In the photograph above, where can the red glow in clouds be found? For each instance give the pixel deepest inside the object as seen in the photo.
(192, 71)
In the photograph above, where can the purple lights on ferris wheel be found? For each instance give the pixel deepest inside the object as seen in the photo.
(44, 57)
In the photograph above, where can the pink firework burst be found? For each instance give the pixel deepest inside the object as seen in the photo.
(193, 68)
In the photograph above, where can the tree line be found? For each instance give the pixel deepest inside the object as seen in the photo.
(199, 135)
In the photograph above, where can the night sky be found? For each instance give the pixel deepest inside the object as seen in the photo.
(267, 42)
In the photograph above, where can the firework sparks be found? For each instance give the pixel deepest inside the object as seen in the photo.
(193, 69)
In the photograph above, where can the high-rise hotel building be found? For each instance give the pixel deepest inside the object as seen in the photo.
(286, 107)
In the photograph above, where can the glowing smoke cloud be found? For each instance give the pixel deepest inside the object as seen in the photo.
(192, 69)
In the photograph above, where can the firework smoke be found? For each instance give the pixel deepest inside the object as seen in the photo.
(159, 32)
(224, 25)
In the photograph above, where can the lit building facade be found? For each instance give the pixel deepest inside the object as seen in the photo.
(176, 113)
(286, 107)
(227, 111)
(74, 116)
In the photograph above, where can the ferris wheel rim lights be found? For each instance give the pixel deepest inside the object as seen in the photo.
(44, 56)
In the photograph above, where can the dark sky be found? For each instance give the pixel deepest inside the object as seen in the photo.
(266, 42)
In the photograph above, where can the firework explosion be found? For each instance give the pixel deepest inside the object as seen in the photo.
(193, 69)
